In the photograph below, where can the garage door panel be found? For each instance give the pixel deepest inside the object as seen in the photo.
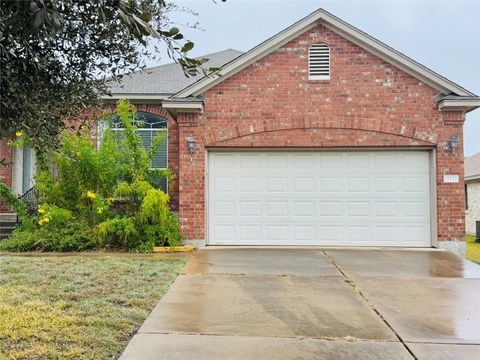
(330, 184)
(386, 160)
(277, 233)
(358, 161)
(386, 184)
(415, 184)
(250, 184)
(356, 209)
(223, 184)
(304, 184)
(331, 208)
(224, 208)
(304, 209)
(315, 198)
(415, 209)
(386, 209)
(330, 161)
(358, 184)
(250, 233)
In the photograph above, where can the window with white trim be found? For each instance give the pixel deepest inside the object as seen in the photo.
(319, 62)
(149, 126)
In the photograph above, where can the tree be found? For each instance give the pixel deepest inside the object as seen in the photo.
(58, 55)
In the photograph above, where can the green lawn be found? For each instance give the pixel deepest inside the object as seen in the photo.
(473, 249)
(83, 306)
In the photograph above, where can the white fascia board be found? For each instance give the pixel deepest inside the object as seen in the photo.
(342, 28)
(183, 107)
(472, 177)
(459, 105)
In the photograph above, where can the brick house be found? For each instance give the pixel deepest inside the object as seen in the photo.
(472, 192)
(320, 135)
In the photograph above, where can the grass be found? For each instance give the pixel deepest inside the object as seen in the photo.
(78, 306)
(473, 249)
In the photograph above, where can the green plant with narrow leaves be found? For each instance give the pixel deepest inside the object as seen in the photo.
(106, 191)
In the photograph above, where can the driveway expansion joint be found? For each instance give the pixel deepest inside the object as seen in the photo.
(363, 296)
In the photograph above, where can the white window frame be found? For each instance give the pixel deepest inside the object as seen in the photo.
(102, 125)
(148, 129)
(319, 77)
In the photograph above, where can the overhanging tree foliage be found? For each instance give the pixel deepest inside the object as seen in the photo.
(57, 56)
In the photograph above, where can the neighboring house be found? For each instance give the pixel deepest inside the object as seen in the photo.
(472, 192)
(320, 135)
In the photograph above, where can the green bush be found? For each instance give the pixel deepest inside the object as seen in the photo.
(144, 220)
(74, 236)
(80, 198)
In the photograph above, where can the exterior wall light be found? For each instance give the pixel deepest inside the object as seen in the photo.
(452, 145)
(191, 145)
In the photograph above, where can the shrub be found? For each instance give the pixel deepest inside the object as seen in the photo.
(73, 236)
(79, 199)
(144, 220)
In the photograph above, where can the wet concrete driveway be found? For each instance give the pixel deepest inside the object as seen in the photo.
(273, 303)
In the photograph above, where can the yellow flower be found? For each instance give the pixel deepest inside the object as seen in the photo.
(43, 221)
(110, 201)
(19, 134)
(41, 211)
(100, 210)
(91, 195)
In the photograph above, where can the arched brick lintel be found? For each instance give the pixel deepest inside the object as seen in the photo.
(313, 136)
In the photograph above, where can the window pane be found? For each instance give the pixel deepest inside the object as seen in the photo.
(149, 126)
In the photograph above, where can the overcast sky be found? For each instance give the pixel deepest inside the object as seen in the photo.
(442, 35)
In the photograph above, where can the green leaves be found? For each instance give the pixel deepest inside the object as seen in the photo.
(187, 47)
(58, 57)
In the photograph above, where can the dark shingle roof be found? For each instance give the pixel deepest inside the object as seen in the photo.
(472, 166)
(168, 78)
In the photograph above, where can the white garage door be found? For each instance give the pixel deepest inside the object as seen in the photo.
(377, 198)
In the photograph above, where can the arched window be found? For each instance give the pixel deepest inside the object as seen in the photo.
(149, 126)
(319, 62)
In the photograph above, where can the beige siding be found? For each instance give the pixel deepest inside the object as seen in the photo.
(473, 212)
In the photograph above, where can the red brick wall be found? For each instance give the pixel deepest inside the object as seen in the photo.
(6, 172)
(367, 102)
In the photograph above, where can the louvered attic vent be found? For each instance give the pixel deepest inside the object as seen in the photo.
(319, 62)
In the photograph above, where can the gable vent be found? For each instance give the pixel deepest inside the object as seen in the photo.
(319, 62)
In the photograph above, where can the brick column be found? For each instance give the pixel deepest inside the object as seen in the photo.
(450, 196)
(191, 178)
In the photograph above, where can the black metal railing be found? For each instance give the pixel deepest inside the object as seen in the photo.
(30, 199)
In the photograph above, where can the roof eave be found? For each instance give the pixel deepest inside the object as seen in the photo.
(463, 104)
(174, 106)
(472, 177)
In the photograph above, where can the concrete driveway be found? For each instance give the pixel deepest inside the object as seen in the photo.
(274, 303)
